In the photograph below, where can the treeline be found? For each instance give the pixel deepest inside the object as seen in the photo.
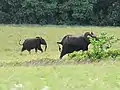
(60, 12)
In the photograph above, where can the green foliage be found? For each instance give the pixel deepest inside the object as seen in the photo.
(114, 15)
(113, 53)
(101, 49)
(66, 12)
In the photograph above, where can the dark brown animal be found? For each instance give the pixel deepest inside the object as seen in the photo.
(72, 43)
(33, 43)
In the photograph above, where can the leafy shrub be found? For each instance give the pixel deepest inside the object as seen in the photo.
(101, 49)
(113, 53)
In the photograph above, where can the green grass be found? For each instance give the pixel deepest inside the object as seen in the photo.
(104, 75)
(10, 36)
(97, 76)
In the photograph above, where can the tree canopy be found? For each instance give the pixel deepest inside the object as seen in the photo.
(60, 12)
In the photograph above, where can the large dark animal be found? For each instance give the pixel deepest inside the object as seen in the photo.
(72, 43)
(33, 43)
(63, 41)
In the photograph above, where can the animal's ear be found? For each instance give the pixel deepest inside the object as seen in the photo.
(92, 33)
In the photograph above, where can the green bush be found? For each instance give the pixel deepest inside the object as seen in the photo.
(101, 49)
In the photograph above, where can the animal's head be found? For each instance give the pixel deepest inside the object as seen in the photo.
(42, 41)
(91, 34)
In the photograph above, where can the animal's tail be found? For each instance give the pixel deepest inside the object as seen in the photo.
(20, 43)
(59, 46)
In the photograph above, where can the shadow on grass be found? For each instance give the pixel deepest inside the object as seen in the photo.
(44, 62)
(40, 62)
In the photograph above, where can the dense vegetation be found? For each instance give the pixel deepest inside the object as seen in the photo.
(60, 12)
(101, 49)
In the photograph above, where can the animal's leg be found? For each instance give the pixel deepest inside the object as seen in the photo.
(85, 48)
(36, 50)
(64, 51)
(22, 49)
(62, 54)
(29, 51)
(39, 48)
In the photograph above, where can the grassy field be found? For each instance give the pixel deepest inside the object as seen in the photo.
(99, 76)
(10, 36)
(94, 76)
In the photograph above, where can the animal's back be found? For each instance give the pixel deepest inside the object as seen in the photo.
(65, 39)
(29, 43)
(76, 40)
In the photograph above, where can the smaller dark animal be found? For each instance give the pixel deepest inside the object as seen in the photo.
(33, 43)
